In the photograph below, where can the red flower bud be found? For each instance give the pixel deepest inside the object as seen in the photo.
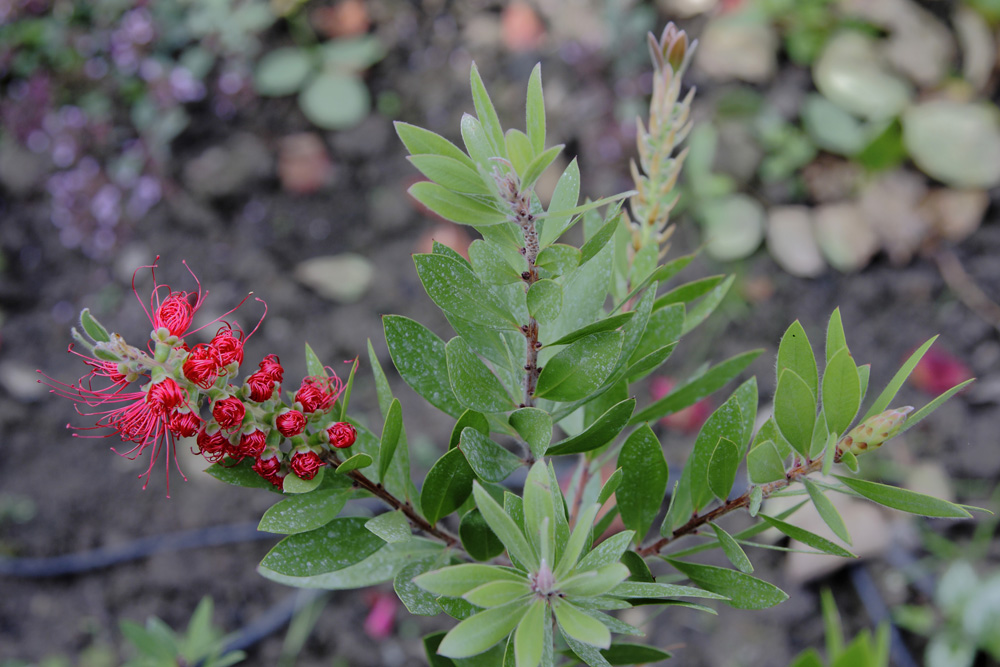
(229, 412)
(341, 434)
(318, 393)
(212, 445)
(290, 422)
(253, 443)
(184, 424)
(305, 464)
(270, 469)
(202, 365)
(229, 346)
(261, 386)
(175, 314)
(164, 396)
(271, 368)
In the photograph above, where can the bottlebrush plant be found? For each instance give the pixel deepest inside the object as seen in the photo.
(550, 339)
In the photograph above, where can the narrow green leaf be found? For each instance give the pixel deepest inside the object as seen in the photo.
(504, 527)
(580, 626)
(419, 356)
(390, 437)
(93, 328)
(904, 500)
(583, 366)
(539, 509)
(486, 112)
(545, 298)
(600, 239)
(477, 539)
(808, 538)
(634, 654)
(722, 468)
(601, 432)
(474, 384)
(491, 265)
(455, 207)
(457, 290)
(447, 485)
(610, 486)
(345, 397)
(756, 499)
(356, 462)
(295, 484)
(302, 513)
(726, 423)
(451, 174)
(530, 634)
(519, 150)
(644, 481)
(535, 111)
(538, 166)
(795, 410)
(697, 389)
(744, 591)
(558, 259)
(607, 552)
(241, 474)
(564, 197)
(688, 292)
(826, 510)
(313, 365)
(836, 340)
(477, 143)
(535, 426)
(885, 398)
(699, 313)
(337, 545)
(920, 414)
(589, 206)
(795, 353)
(490, 461)
(849, 460)
(416, 600)
(496, 593)
(478, 633)
(734, 552)
(586, 652)
(419, 141)
(390, 526)
(457, 580)
(578, 541)
(639, 589)
(606, 324)
(841, 391)
(595, 583)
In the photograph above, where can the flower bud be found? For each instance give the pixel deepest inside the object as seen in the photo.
(871, 433)
(305, 464)
(252, 444)
(317, 394)
(260, 386)
(229, 412)
(184, 423)
(174, 314)
(202, 365)
(290, 422)
(269, 467)
(164, 396)
(212, 443)
(341, 434)
(229, 346)
(271, 368)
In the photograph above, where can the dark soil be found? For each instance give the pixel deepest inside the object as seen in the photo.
(84, 497)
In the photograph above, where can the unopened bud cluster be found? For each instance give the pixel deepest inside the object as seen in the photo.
(873, 432)
(193, 392)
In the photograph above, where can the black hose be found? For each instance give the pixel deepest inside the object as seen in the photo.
(878, 612)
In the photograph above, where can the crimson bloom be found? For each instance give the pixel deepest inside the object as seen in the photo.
(261, 387)
(269, 467)
(341, 434)
(271, 368)
(229, 345)
(229, 412)
(202, 365)
(318, 393)
(290, 422)
(305, 465)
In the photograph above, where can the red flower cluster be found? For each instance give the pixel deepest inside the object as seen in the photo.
(182, 384)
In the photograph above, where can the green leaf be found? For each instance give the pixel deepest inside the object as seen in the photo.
(455, 207)
(640, 589)
(600, 239)
(564, 197)
(313, 365)
(795, 410)
(538, 166)
(836, 340)
(827, 511)
(335, 101)
(594, 583)
(339, 544)
(706, 306)
(504, 527)
(535, 111)
(519, 150)
(282, 71)
(598, 434)
(93, 328)
(419, 141)
(419, 356)
(477, 142)
(478, 540)
(473, 382)
(734, 552)
(589, 206)
(885, 398)
(390, 526)
(486, 112)
(610, 486)
(447, 485)
(920, 414)
(633, 654)
(795, 353)
(490, 461)
(606, 324)
(756, 499)
(457, 580)
(584, 293)
(535, 426)
(452, 174)
(696, 389)
(241, 474)
(809, 539)
(764, 463)
(469, 418)
(580, 626)
(478, 633)
(722, 468)
(746, 397)
(492, 266)
(390, 437)
(558, 259)
(530, 634)
(295, 484)
(688, 292)
(578, 541)
(841, 391)
(539, 511)
(345, 397)
(416, 600)
(726, 423)
(904, 500)
(607, 552)
(305, 512)
(545, 299)
(496, 593)
(644, 481)
(585, 652)
(579, 369)
(356, 462)
(457, 290)
(743, 590)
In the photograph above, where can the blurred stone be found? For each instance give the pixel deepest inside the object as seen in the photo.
(792, 242)
(852, 73)
(919, 45)
(347, 18)
(21, 171)
(844, 236)
(954, 142)
(304, 165)
(955, 214)
(342, 278)
(738, 153)
(367, 138)
(831, 179)
(21, 382)
(737, 47)
(931, 479)
(978, 46)
(520, 27)
(685, 9)
(228, 169)
(388, 209)
(891, 207)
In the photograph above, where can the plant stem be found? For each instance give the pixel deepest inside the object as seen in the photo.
(417, 521)
(696, 522)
